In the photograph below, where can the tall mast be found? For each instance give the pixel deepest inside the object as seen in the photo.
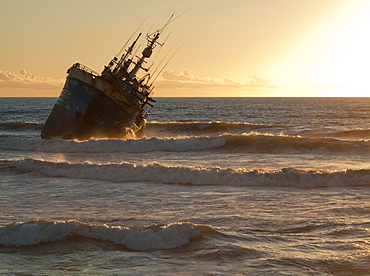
(124, 56)
(147, 52)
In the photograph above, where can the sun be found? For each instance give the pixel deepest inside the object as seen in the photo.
(348, 65)
(334, 52)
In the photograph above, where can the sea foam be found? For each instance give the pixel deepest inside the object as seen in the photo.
(114, 145)
(251, 142)
(186, 175)
(139, 238)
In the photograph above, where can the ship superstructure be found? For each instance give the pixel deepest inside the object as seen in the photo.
(111, 104)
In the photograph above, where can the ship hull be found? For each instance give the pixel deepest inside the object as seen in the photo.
(90, 107)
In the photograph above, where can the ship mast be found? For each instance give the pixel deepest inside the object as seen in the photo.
(124, 56)
(147, 52)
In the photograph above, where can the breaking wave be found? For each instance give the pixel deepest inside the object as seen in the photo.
(186, 175)
(114, 145)
(203, 128)
(246, 143)
(180, 128)
(141, 238)
(214, 128)
(268, 143)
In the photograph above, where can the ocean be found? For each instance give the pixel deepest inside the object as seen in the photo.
(217, 186)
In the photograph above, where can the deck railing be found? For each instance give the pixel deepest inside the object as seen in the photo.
(86, 69)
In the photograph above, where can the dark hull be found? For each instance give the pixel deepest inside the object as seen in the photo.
(89, 107)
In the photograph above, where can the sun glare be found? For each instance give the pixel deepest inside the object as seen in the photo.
(334, 53)
(351, 58)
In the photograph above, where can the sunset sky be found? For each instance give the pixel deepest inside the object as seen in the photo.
(240, 48)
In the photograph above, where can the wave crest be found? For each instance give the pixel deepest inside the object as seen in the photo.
(114, 145)
(139, 238)
(247, 143)
(201, 128)
(185, 175)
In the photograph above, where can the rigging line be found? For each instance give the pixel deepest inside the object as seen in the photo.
(167, 62)
(134, 54)
(151, 27)
(171, 20)
(168, 22)
(162, 61)
(166, 39)
(178, 16)
(157, 53)
(123, 47)
(165, 25)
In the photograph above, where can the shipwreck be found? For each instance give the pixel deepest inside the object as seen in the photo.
(112, 104)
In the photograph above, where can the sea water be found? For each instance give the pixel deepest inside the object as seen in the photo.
(217, 186)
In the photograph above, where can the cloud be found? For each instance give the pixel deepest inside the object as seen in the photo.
(186, 79)
(168, 79)
(25, 79)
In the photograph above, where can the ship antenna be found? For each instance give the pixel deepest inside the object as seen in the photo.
(170, 21)
(124, 46)
(129, 50)
(152, 42)
(164, 42)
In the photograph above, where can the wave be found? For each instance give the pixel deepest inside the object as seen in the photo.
(141, 238)
(114, 145)
(20, 126)
(269, 143)
(189, 128)
(215, 128)
(186, 175)
(203, 127)
(353, 134)
(247, 143)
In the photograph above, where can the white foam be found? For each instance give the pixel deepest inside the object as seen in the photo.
(144, 238)
(113, 145)
(155, 172)
(251, 142)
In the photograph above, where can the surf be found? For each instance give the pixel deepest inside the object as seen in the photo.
(140, 238)
(155, 172)
(251, 142)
